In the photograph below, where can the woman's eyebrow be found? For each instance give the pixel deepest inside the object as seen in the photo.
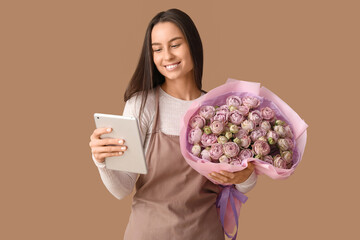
(173, 39)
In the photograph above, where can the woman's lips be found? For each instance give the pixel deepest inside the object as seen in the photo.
(171, 67)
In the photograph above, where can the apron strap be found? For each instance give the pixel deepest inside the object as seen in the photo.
(155, 124)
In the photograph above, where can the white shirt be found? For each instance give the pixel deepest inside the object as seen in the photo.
(120, 183)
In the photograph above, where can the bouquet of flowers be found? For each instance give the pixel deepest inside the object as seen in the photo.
(236, 123)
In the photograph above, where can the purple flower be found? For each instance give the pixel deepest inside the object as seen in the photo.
(250, 102)
(231, 149)
(287, 156)
(236, 117)
(207, 112)
(261, 148)
(208, 139)
(223, 108)
(255, 116)
(268, 159)
(244, 110)
(280, 130)
(257, 133)
(221, 116)
(272, 137)
(245, 141)
(279, 162)
(267, 113)
(235, 161)
(285, 144)
(194, 135)
(246, 153)
(242, 132)
(248, 125)
(233, 101)
(216, 151)
(205, 154)
(217, 127)
(197, 121)
(265, 125)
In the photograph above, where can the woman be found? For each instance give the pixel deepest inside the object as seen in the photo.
(172, 201)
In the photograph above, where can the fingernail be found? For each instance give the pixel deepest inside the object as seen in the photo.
(120, 153)
(121, 141)
(109, 129)
(123, 148)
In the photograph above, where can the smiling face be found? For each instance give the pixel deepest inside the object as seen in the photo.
(171, 52)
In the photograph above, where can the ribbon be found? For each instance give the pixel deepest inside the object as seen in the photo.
(229, 192)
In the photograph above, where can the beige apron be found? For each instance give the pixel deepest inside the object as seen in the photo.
(172, 200)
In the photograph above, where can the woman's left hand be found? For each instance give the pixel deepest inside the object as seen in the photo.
(225, 177)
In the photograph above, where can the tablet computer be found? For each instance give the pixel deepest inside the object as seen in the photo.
(127, 128)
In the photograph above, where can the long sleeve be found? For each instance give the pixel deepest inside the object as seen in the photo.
(121, 183)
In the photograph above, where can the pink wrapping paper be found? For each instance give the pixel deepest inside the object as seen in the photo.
(251, 88)
(283, 110)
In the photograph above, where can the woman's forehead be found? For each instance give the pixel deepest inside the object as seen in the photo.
(164, 32)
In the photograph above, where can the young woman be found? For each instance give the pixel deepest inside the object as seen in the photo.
(172, 201)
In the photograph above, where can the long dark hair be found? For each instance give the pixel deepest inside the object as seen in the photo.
(146, 75)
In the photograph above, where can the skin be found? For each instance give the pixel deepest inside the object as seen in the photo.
(169, 46)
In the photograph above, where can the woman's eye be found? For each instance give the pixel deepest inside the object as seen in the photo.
(176, 45)
(156, 50)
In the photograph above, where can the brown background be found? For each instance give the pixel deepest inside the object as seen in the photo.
(61, 61)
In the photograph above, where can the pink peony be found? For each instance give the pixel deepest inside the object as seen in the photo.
(197, 121)
(280, 130)
(235, 161)
(257, 133)
(261, 148)
(246, 153)
(287, 156)
(217, 127)
(279, 162)
(236, 117)
(208, 139)
(267, 113)
(268, 159)
(205, 154)
(244, 110)
(233, 101)
(248, 125)
(221, 116)
(241, 132)
(251, 102)
(216, 151)
(231, 149)
(272, 137)
(255, 116)
(207, 112)
(194, 135)
(223, 108)
(245, 141)
(265, 125)
(285, 144)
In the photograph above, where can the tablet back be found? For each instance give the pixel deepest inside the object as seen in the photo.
(127, 128)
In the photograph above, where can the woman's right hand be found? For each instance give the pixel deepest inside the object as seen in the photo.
(107, 147)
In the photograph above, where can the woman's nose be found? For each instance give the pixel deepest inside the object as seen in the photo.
(168, 54)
